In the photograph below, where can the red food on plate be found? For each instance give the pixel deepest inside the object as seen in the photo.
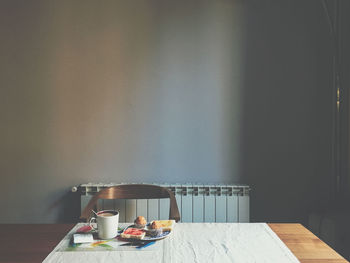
(84, 229)
(133, 233)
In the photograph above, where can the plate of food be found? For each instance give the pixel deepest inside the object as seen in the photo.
(155, 230)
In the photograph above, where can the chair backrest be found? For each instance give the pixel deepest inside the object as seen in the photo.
(133, 191)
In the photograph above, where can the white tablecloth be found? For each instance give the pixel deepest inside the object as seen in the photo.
(193, 242)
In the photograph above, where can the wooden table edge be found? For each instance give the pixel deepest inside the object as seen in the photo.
(297, 238)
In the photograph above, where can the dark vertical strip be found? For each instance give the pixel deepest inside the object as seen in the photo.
(238, 208)
(147, 210)
(125, 210)
(215, 210)
(226, 205)
(192, 204)
(158, 209)
(136, 208)
(204, 206)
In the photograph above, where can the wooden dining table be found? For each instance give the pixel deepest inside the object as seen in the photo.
(33, 242)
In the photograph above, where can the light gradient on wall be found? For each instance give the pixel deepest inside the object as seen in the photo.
(124, 91)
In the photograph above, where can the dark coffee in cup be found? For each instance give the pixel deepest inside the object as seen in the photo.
(106, 214)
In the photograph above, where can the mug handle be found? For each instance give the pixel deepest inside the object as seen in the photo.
(92, 219)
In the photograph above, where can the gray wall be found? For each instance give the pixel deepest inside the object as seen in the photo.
(163, 91)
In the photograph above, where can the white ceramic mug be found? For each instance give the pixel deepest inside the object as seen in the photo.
(107, 223)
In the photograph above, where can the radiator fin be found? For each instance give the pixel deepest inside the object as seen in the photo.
(232, 208)
(186, 204)
(119, 205)
(220, 207)
(198, 204)
(153, 209)
(130, 210)
(243, 209)
(164, 207)
(209, 206)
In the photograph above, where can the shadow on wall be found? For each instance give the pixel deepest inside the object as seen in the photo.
(286, 122)
(120, 92)
(66, 207)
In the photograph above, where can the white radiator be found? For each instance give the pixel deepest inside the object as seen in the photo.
(196, 203)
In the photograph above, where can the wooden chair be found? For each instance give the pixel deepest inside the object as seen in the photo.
(133, 191)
